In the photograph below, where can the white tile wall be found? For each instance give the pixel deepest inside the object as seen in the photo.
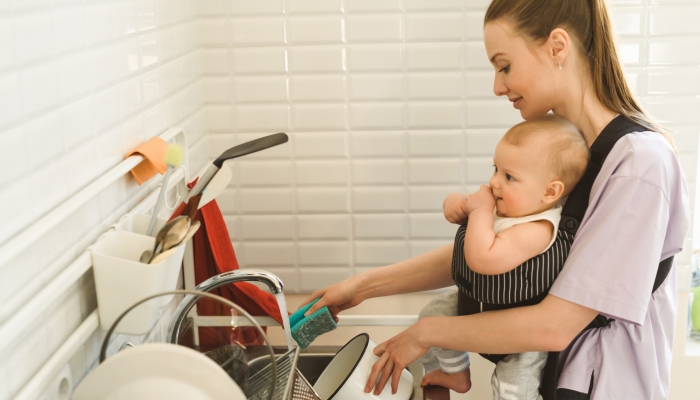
(389, 106)
(81, 84)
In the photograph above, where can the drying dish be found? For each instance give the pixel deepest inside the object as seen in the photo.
(158, 371)
(347, 373)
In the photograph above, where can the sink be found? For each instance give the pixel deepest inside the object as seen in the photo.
(313, 360)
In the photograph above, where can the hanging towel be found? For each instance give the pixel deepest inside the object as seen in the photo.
(154, 153)
(214, 254)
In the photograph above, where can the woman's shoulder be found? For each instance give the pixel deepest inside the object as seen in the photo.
(647, 156)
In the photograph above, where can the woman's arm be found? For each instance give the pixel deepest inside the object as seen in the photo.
(428, 271)
(548, 326)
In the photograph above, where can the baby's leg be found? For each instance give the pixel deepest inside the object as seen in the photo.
(518, 376)
(453, 371)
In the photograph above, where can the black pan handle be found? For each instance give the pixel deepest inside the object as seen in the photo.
(251, 147)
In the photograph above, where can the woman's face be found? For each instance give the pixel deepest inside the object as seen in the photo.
(522, 74)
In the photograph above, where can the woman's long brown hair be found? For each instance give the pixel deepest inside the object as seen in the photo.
(588, 21)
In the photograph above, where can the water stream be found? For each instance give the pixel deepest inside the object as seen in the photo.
(282, 303)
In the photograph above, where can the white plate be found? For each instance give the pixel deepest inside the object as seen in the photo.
(158, 371)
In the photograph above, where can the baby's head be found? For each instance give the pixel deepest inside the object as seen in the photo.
(537, 162)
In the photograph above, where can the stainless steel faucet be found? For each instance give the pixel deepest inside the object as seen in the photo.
(180, 316)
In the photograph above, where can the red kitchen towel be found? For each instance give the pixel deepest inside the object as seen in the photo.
(214, 254)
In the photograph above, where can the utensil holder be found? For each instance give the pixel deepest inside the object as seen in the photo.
(121, 280)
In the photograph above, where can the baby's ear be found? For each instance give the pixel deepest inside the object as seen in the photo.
(553, 192)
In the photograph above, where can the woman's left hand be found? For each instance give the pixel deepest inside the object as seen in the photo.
(394, 355)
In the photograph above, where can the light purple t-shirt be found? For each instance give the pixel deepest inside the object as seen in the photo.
(637, 216)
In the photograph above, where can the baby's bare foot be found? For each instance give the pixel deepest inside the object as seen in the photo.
(460, 382)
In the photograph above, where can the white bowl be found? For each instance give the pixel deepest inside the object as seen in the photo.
(157, 371)
(346, 375)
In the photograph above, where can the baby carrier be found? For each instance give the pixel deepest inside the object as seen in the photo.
(529, 283)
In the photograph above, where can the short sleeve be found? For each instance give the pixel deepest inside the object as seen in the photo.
(614, 258)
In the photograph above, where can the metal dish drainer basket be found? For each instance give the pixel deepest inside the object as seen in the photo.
(290, 384)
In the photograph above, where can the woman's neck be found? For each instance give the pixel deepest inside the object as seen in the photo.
(587, 113)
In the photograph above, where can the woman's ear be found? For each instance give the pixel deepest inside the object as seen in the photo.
(553, 192)
(559, 44)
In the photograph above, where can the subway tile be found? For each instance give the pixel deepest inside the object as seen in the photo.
(48, 185)
(72, 73)
(475, 56)
(490, 113)
(145, 15)
(164, 12)
(482, 142)
(380, 227)
(674, 51)
(69, 28)
(248, 89)
(429, 5)
(474, 25)
(261, 118)
(307, 29)
(127, 55)
(168, 78)
(324, 254)
(318, 278)
(248, 31)
(322, 173)
(377, 144)
(318, 116)
(265, 254)
(13, 155)
(418, 247)
(376, 87)
(434, 171)
(219, 117)
(103, 70)
(183, 38)
(154, 121)
(106, 108)
(16, 205)
(167, 48)
(323, 227)
(315, 88)
(320, 145)
(479, 170)
(213, 8)
(46, 139)
(434, 27)
(151, 88)
(372, 5)
(380, 252)
(267, 201)
(374, 28)
(381, 57)
(428, 198)
(322, 201)
(315, 6)
(676, 110)
(378, 172)
(443, 85)
(673, 80)
(380, 199)
(39, 88)
(240, 7)
(267, 227)
(687, 139)
(434, 56)
(217, 89)
(258, 60)
(443, 143)
(478, 84)
(229, 202)
(130, 97)
(81, 165)
(99, 22)
(77, 122)
(7, 45)
(631, 52)
(33, 36)
(430, 226)
(264, 173)
(133, 134)
(124, 17)
(435, 115)
(629, 21)
(316, 59)
(376, 115)
(215, 61)
(678, 20)
(10, 100)
(214, 32)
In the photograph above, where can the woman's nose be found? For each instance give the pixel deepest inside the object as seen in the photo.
(499, 86)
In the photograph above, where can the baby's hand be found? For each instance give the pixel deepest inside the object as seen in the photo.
(454, 208)
(481, 198)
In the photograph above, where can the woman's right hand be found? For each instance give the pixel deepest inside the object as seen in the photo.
(337, 297)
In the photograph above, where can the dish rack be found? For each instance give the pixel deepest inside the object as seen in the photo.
(290, 384)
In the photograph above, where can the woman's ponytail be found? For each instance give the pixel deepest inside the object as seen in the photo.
(589, 22)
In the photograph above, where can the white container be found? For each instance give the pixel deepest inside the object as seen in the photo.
(121, 280)
(346, 375)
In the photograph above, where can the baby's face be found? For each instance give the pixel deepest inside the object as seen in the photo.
(520, 179)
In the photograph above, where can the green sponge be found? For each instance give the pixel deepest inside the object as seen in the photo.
(306, 329)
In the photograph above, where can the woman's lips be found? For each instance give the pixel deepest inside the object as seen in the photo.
(516, 102)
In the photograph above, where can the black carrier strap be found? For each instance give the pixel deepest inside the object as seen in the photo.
(572, 215)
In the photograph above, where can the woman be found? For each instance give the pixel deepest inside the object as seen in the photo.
(559, 56)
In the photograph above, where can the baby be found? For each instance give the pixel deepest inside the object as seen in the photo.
(509, 253)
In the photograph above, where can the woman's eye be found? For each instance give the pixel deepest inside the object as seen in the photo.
(495, 169)
(505, 69)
